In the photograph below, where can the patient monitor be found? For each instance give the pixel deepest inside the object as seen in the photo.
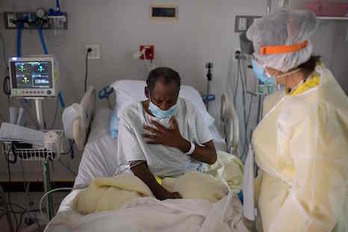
(34, 76)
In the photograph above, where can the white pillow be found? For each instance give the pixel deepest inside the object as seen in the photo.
(69, 115)
(77, 118)
(130, 91)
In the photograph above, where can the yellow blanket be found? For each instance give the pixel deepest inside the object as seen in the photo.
(113, 192)
(110, 193)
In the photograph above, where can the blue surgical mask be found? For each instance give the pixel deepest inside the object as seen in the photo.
(261, 74)
(161, 114)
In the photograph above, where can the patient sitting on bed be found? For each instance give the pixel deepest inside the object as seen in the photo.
(164, 136)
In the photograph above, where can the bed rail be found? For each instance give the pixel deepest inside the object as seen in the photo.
(231, 124)
(81, 124)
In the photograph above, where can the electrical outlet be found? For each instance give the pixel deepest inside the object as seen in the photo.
(242, 24)
(95, 53)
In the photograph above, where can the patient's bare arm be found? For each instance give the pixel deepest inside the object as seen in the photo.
(142, 172)
(172, 138)
(205, 153)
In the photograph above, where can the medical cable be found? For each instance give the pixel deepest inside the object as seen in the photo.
(49, 192)
(249, 111)
(150, 66)
(246, 115)
(3, 48)
(242, 79)
(240, 75)
(236, 89)
(2, 118)
(6, 86)
(61, 100)
(54, 117)
(26, 189)
(30, 117)
(67, 167)
(239, 81)
(26, 186)
(39, 29)
(22, 212)
(9, 192)
(57, 6)
(6, 83)
(86, 67)
(19, 39)
(24, 178)
(60, 95)
(109, 103)
(231, 82)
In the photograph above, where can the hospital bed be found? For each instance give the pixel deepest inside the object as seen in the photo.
(91, 134)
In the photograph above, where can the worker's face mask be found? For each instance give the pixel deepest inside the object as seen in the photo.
(261, 74)
(161, 114)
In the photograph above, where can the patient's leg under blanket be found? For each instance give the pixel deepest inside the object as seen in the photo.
(113, 192)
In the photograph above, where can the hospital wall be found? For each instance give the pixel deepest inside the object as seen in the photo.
(204, 32)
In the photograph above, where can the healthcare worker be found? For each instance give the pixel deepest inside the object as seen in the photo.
(301, 145)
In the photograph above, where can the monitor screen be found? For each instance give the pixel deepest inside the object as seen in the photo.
(31, 74)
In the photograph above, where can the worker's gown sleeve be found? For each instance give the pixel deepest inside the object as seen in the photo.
(310, 157)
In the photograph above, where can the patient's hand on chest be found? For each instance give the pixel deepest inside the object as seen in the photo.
(159, 134)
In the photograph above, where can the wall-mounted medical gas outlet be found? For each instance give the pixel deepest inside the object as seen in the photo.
(31, 20)
(95, 54)
(148, 52)
(243, 22)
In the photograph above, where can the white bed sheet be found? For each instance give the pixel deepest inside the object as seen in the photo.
(145, 214)
(149, 214)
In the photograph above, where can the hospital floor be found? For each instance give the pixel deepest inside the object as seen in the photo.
(30, 220)
(62, 172)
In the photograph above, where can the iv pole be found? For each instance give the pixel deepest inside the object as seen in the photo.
(45, 166)
(208, 97)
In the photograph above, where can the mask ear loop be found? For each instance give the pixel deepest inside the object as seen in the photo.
(148, 106)
(287, 74)
(149, 96)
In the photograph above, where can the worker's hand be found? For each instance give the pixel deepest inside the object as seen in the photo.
(168, 137)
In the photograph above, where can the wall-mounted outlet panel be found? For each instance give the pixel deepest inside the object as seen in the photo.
(243, 22)
(11, 20)
(95, 54)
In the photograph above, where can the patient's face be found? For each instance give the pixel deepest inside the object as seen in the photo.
(164, 95)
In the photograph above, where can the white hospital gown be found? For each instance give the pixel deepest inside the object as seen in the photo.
(162, 161)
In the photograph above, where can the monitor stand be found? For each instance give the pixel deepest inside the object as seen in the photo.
(45, 163)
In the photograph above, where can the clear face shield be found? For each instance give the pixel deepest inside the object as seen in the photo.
(267, 83)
